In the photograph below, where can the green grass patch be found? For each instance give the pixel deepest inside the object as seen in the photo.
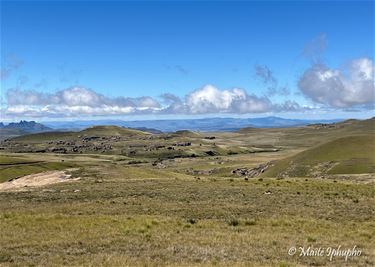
(347, 155)
(6, 160)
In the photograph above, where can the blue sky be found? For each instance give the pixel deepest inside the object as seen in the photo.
(111, 50)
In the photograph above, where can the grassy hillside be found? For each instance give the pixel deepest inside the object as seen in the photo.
(111, 130)
(9, 133)
(186, 133)
(309, 136)
(96, 130)
(47, 136)
(346, 155)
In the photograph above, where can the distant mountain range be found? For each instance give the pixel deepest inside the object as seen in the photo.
(21, 128)
(158, 126)
(208, 124)
(27, 126)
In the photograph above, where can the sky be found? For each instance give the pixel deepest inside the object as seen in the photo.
(177, 59)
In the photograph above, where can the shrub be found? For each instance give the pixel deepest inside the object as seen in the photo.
(233, 222)
(311, 239)
(192, 221)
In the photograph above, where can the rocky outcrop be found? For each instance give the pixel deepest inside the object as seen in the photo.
(253, 172)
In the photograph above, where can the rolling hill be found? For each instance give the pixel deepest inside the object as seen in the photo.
(345, 155)
(186, 133)
(92, 131)
(111, 131)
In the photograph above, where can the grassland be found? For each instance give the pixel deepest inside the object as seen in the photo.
(151, 209)
(346, 155)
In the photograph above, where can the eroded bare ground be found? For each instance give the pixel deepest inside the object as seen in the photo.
(36, 180)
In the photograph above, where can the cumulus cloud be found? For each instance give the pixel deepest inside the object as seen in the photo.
(348, 87)
(17, 96)
(74, 101)
(209, 99)
(80, 101)
(173, 104)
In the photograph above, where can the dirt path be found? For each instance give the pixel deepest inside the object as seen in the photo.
(36, 180)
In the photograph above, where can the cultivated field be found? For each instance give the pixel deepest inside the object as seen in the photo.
(121, 197)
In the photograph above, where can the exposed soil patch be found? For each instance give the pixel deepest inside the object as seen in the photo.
(37, 180)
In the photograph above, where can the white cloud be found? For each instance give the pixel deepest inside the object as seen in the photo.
(290, 106)
(341, 88)
(74, 101)
(80, 101)
(78, 96)
(209, 99)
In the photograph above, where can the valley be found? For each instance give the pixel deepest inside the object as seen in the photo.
(113, 196)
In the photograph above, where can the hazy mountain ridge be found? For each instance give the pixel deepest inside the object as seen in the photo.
(21, 128)
(159, 126)
(206, 124)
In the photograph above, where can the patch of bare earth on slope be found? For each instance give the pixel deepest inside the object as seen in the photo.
(37, 180)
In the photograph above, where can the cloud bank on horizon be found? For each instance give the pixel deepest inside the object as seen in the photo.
(80, 101)
(348, 88)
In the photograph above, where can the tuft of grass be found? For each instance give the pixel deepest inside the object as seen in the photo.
(250, 222)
